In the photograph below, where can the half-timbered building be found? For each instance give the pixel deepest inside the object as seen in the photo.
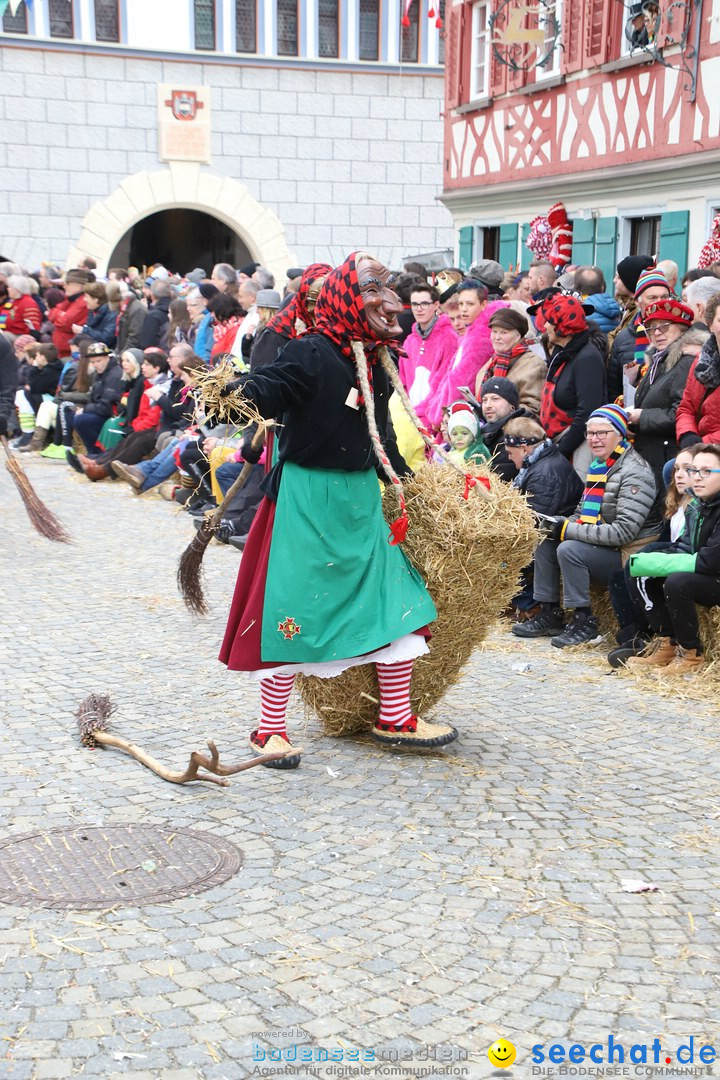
(609, 106)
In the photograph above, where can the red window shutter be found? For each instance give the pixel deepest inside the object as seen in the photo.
(572, 35)
(597, 32)
(458, 22)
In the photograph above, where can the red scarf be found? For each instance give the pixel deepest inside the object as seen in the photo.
(284, 322)
(500, 363)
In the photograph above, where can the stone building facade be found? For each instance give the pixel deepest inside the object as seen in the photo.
(308, 156)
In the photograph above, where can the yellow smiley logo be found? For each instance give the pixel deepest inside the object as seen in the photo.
(502, 1054)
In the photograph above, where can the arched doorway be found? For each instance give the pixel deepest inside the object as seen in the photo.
(180, 239)
(183, 186)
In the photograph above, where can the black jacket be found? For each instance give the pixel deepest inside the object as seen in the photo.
(130, 326)
(43, 380)
(100, 325)
(702, 535)
(134, 390)
(8, 378)
(492, 436)
(658, 395)
(155, 328)
(580, 386)
(309, 389)
(550, 482)
(177, 411)
(106, 390)
(267, 344)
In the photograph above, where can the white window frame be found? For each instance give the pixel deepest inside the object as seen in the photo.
(554, 69)
(480, 38)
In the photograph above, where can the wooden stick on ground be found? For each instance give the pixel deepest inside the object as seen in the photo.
(42, 518)
(92, 720)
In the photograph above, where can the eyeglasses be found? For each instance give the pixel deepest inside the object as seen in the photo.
(421, 305)
(659, 328)
(703, 474)
(598, 435)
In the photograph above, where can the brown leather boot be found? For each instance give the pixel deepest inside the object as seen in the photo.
(37, 443)
(93, 471)
(686, 661)
(659, 653)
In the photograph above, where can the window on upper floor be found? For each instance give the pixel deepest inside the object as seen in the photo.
(246, 26)
(17, 23)
(204, 22)
(107, 20)
(441, 42)
(550, 22)
(62, 18)
(287, 27)
(328, 28)
(410, 35)
(369, 29)
(644, 235)
(480, 51)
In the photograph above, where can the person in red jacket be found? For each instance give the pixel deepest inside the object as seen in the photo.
(21, 313)
(698, 415)
(72, 310)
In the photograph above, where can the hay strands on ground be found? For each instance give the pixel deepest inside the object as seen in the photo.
(42, 518)
(189, 571)
(93, 716)
(220, 405)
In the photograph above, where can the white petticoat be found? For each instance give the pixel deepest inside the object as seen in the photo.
(408, 647)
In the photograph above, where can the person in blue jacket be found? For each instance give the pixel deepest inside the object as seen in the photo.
(101, 323)
(590, 283)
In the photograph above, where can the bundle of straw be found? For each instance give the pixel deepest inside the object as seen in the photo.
(470, 553)
(42, 518)
(219, 405)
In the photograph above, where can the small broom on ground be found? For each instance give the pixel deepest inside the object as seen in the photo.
(42, 518)
(93, 716)
(189, 571)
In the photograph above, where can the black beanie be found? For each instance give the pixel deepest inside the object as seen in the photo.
(630, 268)
(207, 289)
(504, 388)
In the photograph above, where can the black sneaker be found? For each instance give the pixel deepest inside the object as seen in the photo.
(548, 623)
(619, 657)
(581, 630)
(21, 440)
(72, 460)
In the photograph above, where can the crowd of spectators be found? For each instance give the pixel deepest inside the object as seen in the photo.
(602, 406)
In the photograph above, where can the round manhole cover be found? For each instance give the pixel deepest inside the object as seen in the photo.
(97, 867)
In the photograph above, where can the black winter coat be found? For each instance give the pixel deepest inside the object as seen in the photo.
(106, 390)
(177, 412)
(8, 378)
(580, 387)
(267, 344)
(309, 389)
(658, 395)
(130, 326)
(622, 352)
(155, 328)
(550, 482)
(43, 380)
(702, 535)
(100, 325)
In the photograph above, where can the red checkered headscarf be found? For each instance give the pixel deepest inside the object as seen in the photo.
(565, 313)
(284, 322)
(340, 310)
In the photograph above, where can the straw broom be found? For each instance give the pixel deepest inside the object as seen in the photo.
(189, 571)
(93, 715)
(42, 518)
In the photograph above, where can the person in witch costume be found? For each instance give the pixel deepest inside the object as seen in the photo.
(322, 586)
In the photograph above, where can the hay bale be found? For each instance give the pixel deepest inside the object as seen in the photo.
(470, 554)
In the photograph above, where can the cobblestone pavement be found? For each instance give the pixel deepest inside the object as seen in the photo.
(386, 900)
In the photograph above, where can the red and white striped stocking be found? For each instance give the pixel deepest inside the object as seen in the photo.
(394, 684)
(274, 697)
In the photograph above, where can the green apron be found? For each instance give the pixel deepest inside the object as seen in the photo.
(335, 587)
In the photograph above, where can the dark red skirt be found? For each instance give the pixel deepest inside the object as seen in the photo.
(240, 649)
